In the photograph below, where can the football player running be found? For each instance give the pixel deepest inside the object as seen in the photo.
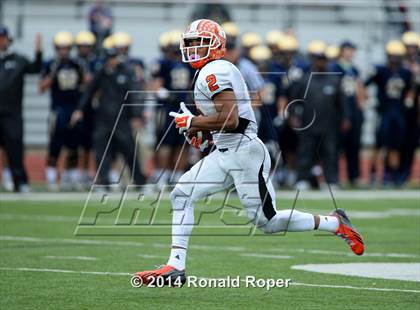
(240, 160)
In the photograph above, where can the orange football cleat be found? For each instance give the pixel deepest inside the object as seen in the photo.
(348, 233)
(165, 274)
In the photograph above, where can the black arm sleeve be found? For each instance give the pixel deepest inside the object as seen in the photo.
(296, 94)
(371, 79)
(135, 97)
(91, 88)
(36, 65)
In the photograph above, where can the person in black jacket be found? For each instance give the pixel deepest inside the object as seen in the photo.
(13, 68)
(324, 113)
(112, 84)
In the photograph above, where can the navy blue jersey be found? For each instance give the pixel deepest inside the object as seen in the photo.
(139, 67)
(273, 87)
(67, 77)
(392, 87)
(90, 64)
(136, 61)
(293, 73)
(176, 76)
(349, 77)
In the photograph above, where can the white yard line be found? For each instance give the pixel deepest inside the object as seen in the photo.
(313, 195)
(261, 255)
(199, 247)
(66, 271)
(129, 274)
(89, 258)
(152, 256)
(42, 218)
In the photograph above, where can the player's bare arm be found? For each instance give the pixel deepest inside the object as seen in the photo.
(226, 117)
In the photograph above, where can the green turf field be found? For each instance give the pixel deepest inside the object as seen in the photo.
(43, 265)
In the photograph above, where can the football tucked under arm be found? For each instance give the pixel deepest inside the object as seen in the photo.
(200, 139)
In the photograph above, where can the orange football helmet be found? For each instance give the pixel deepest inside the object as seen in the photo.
(211, 36)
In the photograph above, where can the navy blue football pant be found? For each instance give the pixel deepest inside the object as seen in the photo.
(351, 147)
(62, 134)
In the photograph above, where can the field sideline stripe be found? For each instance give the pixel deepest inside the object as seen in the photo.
(290, 194)
(129, 274)
(364, 214)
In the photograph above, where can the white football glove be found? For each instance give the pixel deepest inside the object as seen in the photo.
(182, 120)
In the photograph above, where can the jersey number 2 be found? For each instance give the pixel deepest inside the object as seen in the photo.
(211, 82)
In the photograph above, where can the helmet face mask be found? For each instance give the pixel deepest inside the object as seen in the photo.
(201, 46)
(192, 53)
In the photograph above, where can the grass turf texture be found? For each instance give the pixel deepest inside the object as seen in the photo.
(221, 256)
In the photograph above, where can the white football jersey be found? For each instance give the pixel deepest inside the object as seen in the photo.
(213, 78)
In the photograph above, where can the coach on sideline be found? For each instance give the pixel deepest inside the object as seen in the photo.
(13, 67)
(112, 83)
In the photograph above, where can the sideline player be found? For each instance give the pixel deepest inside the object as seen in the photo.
(393, 82)
(240, 160)
(85, 43)
(63, 76)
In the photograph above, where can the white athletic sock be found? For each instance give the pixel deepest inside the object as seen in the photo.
(166, 174)
(162, 178)
(292, 220)
(74, 176)
(182, 225)
(328, 223)
(177, 175)
(114, 176)
(84, 176)
(156, 174)
(65, 176)
(177, 258)
(7, 174)
(51, 175)
(7, 179)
